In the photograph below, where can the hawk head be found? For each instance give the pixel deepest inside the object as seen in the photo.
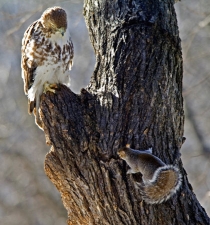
(54, 20)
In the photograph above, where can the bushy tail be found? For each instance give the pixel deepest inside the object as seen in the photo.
(165, 183)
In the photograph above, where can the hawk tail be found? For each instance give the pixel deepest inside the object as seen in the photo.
(31, 106)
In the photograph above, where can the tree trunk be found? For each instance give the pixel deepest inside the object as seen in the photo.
(135, 97)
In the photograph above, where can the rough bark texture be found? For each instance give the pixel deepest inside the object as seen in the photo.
(135, 97)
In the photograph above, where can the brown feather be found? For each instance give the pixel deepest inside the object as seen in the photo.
(28, 71)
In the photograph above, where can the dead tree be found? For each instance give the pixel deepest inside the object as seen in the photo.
(135, 97)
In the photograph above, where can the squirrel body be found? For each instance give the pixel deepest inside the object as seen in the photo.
(160, 181)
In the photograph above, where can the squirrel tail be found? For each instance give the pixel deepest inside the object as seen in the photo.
(165, 183)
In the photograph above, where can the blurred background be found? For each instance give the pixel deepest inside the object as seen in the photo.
(26, 194)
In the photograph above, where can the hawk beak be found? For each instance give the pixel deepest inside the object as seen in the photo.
(62, 31)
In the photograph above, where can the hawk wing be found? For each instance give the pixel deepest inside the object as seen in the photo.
(28, 62)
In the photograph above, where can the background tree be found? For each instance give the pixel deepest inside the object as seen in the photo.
(135, 96)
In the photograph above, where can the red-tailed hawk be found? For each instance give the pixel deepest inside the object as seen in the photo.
(47, 54)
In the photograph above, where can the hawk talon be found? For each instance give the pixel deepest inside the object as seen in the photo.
(49, 87)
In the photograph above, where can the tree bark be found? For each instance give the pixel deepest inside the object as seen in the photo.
(135, 97)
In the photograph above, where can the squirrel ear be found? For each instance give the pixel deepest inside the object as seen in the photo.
(128, 145)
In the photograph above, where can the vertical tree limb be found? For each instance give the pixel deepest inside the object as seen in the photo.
(135, 97)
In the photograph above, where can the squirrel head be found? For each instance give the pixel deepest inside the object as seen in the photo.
(122, 151)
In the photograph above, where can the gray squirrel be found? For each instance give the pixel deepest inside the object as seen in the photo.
(160, 181)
